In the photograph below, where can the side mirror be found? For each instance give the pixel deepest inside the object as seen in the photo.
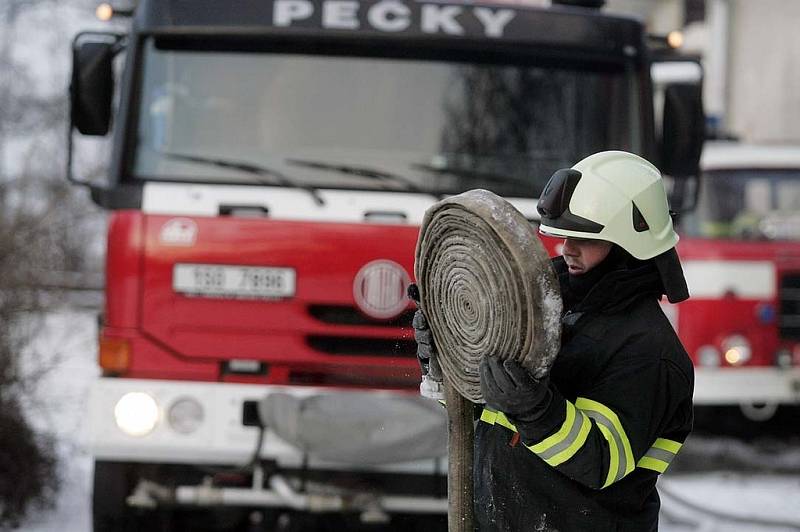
(683, 130)
(92, 86)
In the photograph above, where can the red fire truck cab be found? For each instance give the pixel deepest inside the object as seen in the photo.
(271, 165)
(741, 255)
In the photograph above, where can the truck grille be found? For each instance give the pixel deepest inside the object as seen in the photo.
(789, 307)
(331, 377)
(378, 347)
(360, 345)
(345, 315)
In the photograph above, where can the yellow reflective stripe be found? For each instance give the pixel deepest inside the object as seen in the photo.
(652, 463)
(620, 460)
(559, 436)
(613, 453)
(558, 447)
(497, 418)
(668, 445)
(488, 416)
(503, 421)
(660, 455)
(575, 446)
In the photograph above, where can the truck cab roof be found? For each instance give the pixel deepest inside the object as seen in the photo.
(726, 155)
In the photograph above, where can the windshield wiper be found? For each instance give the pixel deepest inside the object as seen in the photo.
(490, 177)
(249, 168)
(363, 171)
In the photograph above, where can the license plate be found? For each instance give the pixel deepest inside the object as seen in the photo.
(211, 280)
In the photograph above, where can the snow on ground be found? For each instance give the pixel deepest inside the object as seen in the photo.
(68, 341)
(707, 502)
(729, 501)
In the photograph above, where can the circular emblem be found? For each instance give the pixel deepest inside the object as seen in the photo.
(380, 289)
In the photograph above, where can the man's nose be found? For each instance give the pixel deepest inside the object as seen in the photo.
(569, 248)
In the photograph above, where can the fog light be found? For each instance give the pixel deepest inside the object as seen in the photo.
(708, 355)
(104, 12)
(675, 39)
(136, 413)
(737, 350)
(185, 415)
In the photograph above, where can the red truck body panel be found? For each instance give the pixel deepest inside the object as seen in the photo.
(319, 336)
(319, 330)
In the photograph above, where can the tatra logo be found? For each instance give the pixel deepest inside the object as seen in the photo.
(380, 289)
(178, 232)
(392, 16)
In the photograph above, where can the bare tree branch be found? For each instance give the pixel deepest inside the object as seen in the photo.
(44, 229)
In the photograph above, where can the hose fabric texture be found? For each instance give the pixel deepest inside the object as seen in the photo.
(487, 287)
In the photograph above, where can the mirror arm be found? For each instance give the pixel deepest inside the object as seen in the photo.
(70, 175)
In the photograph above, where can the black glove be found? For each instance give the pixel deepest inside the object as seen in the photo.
(432, 385)
(509, 388)
(422, 333)
(426, 349)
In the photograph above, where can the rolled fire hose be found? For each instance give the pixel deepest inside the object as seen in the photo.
(487, 288)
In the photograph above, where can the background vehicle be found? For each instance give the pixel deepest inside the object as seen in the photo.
(272, 162)
(741, 256)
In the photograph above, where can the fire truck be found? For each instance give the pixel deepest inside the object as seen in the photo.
(741, 259)
(271, 164)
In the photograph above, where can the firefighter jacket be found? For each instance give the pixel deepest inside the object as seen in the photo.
(619, 410)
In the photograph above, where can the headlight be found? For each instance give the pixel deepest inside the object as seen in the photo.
(136, 413)
(185, 415)
(737, 349)
(708, 355)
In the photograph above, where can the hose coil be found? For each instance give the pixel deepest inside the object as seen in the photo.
(486, 287)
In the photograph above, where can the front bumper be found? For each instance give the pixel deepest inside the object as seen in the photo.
(733, 386)
(222, 438)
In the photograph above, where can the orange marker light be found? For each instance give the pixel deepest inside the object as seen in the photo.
(114, 355)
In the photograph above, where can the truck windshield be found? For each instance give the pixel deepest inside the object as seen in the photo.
(747, 204)
(374, 123)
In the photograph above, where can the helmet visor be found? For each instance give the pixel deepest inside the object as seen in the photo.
(553, 205)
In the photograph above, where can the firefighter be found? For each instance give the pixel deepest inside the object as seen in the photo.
(582, 449)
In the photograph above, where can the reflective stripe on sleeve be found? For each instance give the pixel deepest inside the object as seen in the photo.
(559, 446)
(568, 440)
(619, 447)
(497, 418)
(660, 455)
(564, 443)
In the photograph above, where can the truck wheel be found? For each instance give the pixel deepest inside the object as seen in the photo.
(758, 412)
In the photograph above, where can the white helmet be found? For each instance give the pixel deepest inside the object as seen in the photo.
(614, 196)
